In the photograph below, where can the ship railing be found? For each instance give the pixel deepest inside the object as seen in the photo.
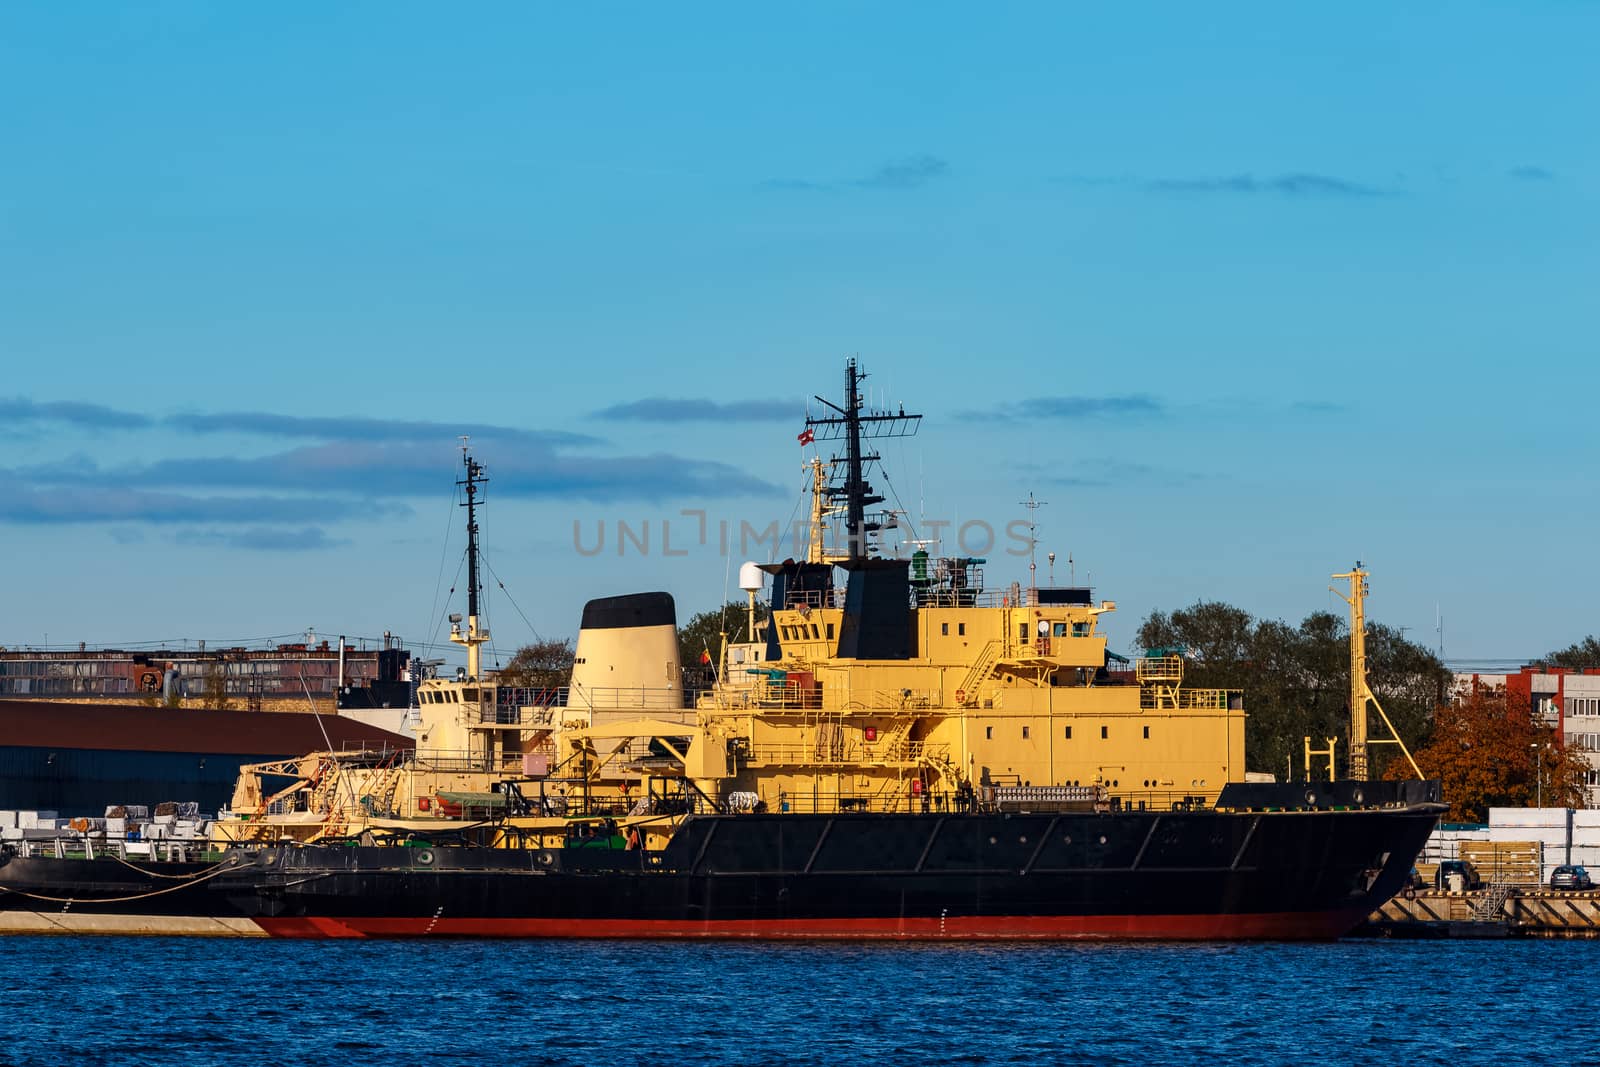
(519, 715)
(1196, 798)
(899, 799)
(903, 751)
(941, 597)
(798, 599)
(895, 699)
(1165, 669)
(780, 698)
(88, 848)
(728, 698)
(775, 694)
(520, 696)
(605, 698)
(466, 762)
(1183, 699)
(378, 750)
(796, 755)
(832, 751)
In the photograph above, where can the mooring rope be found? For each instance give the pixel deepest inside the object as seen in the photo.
(220, 868)
(158, 874)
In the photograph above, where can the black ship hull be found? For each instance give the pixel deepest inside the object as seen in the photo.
(1209, 875)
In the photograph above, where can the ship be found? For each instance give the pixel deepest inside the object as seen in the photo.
(888, 749)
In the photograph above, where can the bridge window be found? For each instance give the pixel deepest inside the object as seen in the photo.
(1147, 733)
(988, 733)
(961, 629)
(1105, 732)
(1068, 734)
(1024, 733)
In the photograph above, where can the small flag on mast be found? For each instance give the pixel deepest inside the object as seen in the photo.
(705, 656)
(807, 436)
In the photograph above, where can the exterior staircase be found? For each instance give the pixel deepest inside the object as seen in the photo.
(1491, 909)
(892, 747)
(982, 670)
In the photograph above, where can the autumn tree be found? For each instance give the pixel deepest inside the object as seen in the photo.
(545, 664)
(1296, 680)
(1489, 752)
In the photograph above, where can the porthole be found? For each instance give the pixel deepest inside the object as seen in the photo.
(1023, 840)
(1102, 839)
(994, 841)
(1067, 840)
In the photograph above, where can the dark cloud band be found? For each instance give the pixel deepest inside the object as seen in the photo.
(1070, 408)
(673, 409)
(1294, 185)
(912, 172)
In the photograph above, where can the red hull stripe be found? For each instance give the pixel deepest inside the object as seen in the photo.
(1278, 926)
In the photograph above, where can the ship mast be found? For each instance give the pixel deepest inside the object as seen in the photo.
(851, 423)
(1360, 691)
(819, 486)
(473, 637)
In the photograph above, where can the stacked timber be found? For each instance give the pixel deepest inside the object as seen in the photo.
(1518, 863)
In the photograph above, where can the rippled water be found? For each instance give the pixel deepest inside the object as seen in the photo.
(159, 1001)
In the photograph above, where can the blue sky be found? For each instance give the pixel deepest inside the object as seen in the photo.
(1243, 293)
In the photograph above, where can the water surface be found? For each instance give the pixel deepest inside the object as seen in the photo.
(148, 1001)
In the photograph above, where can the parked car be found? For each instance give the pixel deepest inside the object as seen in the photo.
(1468, 873)
(1570, 876)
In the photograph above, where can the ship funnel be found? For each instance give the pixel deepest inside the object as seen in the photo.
(628, 643)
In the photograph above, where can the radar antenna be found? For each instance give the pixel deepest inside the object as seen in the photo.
(1033, 544)
(851, 424)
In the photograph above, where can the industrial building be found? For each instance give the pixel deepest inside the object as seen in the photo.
(282, 677)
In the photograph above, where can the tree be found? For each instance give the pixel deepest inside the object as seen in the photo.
(545, 664)
(702, 634)
(215, 692)
(1489, 753)
(1585, 653)
(1296, 680)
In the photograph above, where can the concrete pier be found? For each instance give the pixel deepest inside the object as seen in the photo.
(1495, 911)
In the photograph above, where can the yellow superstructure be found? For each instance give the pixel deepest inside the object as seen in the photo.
(876, 684)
